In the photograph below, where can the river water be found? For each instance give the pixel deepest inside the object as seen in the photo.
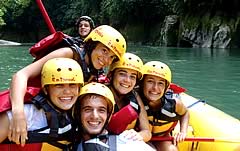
(212, 75)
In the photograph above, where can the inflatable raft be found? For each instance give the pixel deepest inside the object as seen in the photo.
(210, 128)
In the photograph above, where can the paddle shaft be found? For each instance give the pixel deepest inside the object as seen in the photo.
(196, 139)
(45, 16)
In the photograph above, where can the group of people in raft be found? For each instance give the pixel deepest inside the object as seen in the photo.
(73, 111)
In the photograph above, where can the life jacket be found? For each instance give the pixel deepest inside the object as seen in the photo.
(176, 88)
(60, 128)
(126, 117)
(165, 119)
(5, 103)
(96, 144)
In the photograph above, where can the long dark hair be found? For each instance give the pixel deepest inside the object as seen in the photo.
(89, 46)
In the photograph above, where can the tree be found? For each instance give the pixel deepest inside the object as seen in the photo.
(10, 9)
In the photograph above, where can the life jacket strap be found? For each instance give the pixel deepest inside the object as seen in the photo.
(112, 142)
(133, 101)
(41, 102)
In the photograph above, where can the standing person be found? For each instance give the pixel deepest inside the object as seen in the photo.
(47, 116)
(103, 46)
(92, 113)
(129, 113)
(164, 109)
(84, 26)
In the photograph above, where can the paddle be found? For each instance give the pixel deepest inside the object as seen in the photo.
(197, 139)
(45, 16)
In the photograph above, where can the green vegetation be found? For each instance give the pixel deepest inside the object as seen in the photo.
(24, 15)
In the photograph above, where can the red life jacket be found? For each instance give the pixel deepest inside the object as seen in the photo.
(176, 88)
(122, 118)
(5, 103)
(47, 45)
(15, 147)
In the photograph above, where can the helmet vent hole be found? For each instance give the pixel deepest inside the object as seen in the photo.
(58, 69)
(70, 69)
(130, 58)
(154, 65)
(123, 46)
(117, 40)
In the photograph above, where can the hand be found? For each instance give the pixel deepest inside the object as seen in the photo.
(132, 135)
(18, 129)
(179, 137)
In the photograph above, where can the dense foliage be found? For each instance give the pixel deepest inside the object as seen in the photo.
(10, 10)
(24, 15)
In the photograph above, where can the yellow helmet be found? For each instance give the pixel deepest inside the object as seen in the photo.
(60, 71)
(110, 37)
(100, 89)
(129, 61)
(158, 69)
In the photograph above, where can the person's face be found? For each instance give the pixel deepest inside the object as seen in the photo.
(153, 89)
(84, 28)
(93, 113)
(124, 80)
(63, 95)
(102, 56)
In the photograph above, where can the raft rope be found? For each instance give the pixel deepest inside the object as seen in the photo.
(203, 101)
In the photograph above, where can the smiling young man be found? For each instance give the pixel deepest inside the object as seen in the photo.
(92, 113)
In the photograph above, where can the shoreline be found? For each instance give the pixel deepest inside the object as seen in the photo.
(6, 42)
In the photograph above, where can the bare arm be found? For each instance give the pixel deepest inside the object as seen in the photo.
(3, 126)
(184, 121)
(143, 122)
(17, 128)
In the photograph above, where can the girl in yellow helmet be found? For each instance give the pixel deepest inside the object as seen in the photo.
(164, 109)
(102, 46)
(47, 116)
(129, 115)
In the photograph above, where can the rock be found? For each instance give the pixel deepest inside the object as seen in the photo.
(5, 42)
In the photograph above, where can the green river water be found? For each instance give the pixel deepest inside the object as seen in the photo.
(212, 75)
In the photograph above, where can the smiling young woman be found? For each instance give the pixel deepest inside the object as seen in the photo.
(163, 108)
(124, 75)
